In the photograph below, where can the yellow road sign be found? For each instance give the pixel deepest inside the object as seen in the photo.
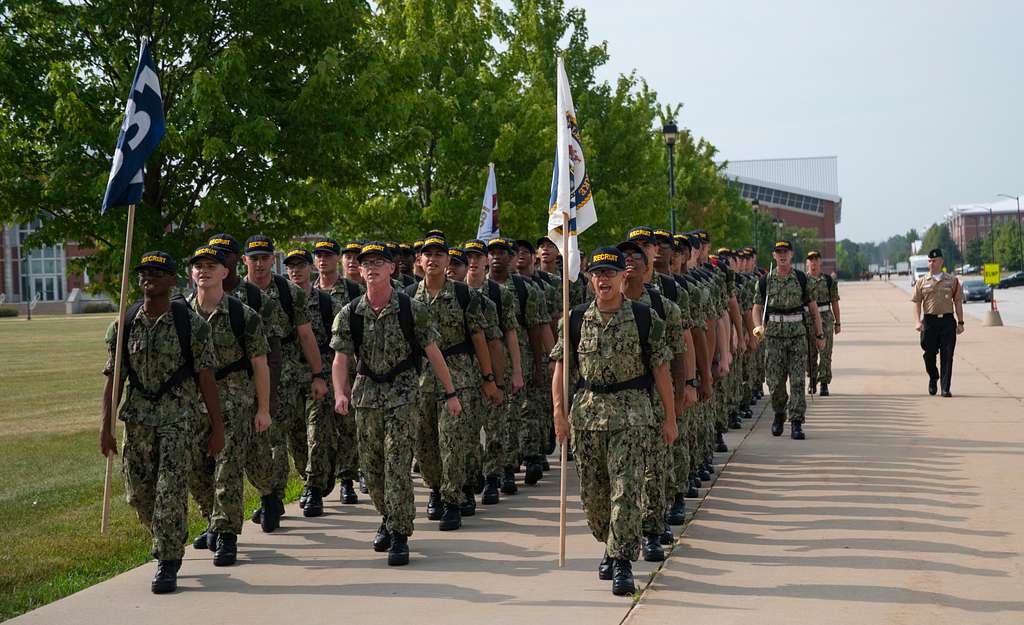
(991, 273)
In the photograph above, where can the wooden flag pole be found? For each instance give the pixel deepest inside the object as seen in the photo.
(116, 387)
(566, 355)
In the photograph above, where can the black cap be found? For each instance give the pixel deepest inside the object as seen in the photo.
(437, 242)
(936, 253)
(475, 246)
(546, 239)
(225, 243)
(258, 244)
(606, 258)
(643, 234)
(353, 245)
(725, 251)
(157, 260)
(435, 233)
(628, 247)
(375, 248)
(664, 236)
(813, 254)
(394, 248)
(703, 235)
(405, 248)
(525, 243)
(458, 255)
(782, 245)
(682, 241)
(323, 245)
(500, 243)
(417, 246)
(208, 251)
(299, 253)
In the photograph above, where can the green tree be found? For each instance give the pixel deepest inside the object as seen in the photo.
(938, 236)
(849, 260)
(1008, 246)
(975, 254)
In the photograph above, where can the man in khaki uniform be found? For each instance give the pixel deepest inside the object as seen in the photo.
(937, 295)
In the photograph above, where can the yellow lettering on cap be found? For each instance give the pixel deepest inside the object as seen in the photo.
(154, 259)
(298, 252)
(434, 241)
(454, 252)
(663, 233)
(781, 244)
(353, 246)
(599, 257)
(259, 244)
(205, 250)
(474, 246)
(219, 242)
(324, 244)
(373, 248)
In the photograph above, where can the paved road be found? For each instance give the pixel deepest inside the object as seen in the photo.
(1009, 301)
(899, 508)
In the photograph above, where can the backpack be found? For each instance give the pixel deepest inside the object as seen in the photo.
(801, 277)
(642, 315)
(236, 315)
(463, 296)
(253, 296)
(519, 283)
(494, 294)
(326, 306)
(284, 293)
(668, 286)
(657, 303)
(183, 327)
(355, 321)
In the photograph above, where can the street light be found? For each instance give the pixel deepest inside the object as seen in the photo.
(671, 132)
(1020, 228)
(755, 206)
(992, 233)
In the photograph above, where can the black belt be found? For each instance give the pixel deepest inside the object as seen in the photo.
(178, 378)
(642, 383)
(242, 364)
(465, 347)
(390, 376)
(288, 339)
(829, 303)
(785, 311)
(928, 316)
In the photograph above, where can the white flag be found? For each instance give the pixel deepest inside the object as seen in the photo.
(570, 183)
(488, 228)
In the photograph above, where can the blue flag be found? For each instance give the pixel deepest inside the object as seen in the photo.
(141, 132)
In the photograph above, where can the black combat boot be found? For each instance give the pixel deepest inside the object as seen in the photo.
(348, 492)
(796, 431)
(508, 482)
(166, 578)
(604, 570)
(534, 471)
(653, 551)
(933, 386)
(451, 517)
(304, 497)
(382, 541)
(734, 421)
(812, 388)
(544, 464)
(622, 578)
(720, 445)
(434, 505)
(676, 514)
(468, 507)
(693, 490)
(478, 483)
(362, 484)
(206, 540)
(824, 389)
(315, 503)
(269, 518)
(746, 413)
(666, 537)
(778, 423)
(398, 552)
(227, 549)
(490, 495)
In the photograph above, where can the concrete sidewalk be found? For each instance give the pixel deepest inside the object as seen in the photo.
(899, 508)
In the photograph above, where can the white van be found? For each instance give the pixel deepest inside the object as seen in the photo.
(918, 268)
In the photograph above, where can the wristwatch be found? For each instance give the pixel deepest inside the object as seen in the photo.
(452, 394)
(489, 377)
(322, 375)
(820, 337)
(959, 323)
(693, 382)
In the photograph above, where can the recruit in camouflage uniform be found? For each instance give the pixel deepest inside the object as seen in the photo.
(159, 415)
(217, 483)
(614, 428)
(823, 290)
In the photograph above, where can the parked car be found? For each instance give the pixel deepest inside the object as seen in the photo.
(967, 270)
(1016, 279)
(977, 290)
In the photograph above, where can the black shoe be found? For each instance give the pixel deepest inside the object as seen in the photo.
(667, 537)
(416, 467)
(348, 492)
(398, 552)
(468, 507)
(382, 540)
(315, 504)
(534, 471)
(257, 516)
(490, 495)
(362, 484)
(747, 413)
(166, 578)
(947, 394)
(653, 551)
(796, 431)
(824, 390)
(622, 578)
(545, 465)
(508, 482)
(933, 386)
(434, 505)
(720, 445)
(479, 483)
(778, 423)
(692, 492)
(704, 475)
(304, 497)
(676, 514)
(227, 549)
(568, 455)
(604, 570)
(734, 422)
(812, 388)
(279, 505)
(269, 519)
(206, 540)
(451, 517)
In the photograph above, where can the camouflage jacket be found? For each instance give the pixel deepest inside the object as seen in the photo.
(269, 310)
(384, 347)
(508, 321)
(453, 324)
(674, 337)
(817, 289)
(682, 300)
(784, 294)
(322, 332)
(609, 353)
(532, 316)
(294, 369)
(155, 354)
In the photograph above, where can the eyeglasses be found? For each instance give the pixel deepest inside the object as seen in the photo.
(373, 262)
(636, 256)
(605, 273)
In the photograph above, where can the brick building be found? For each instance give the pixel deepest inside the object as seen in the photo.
(968, 222)
(38, 272)
(801, 192)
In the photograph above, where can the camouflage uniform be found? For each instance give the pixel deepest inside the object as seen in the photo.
(441, 439)
(346, 458)
(155, 451)
(386, 411)
(819, 364)
(518, 437)
(612, 434)
(494, 417)
(321, 421)
(537, 395)
(217, 483)
(786, 345)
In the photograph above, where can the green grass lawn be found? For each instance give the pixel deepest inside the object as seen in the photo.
(51, 477)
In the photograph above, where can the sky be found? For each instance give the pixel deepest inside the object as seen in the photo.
(920, 101)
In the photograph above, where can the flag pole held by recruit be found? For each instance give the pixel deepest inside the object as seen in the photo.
(566, 355)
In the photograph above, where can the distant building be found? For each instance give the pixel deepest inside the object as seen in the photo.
(38, 272)
(968, 222)
(801, 192)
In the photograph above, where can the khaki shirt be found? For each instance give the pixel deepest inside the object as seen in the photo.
(936, 293)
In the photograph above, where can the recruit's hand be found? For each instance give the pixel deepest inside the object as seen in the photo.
(705, 391)
(216, 442)
(919, 326)
(493, 393)
(262, 421)
(454, 407)
(837, 328)
(341, 404)
(820, 343)
(517, 381)
(107, 443)
(561, 429)
(318, 388)
(669, 432)
(959, 329)
(689, 396)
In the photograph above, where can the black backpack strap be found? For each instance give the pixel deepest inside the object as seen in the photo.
(669, 288)
(801, 277)
(355, 326)
(494, 293)
(326, 306)
(284, 293)
(463, 296)
(829, 282)
(575, 330)
(408, 328)
(253, 296)
(236, 315)
(352, 289)
(657, 303)
(642, 314)
(521, 295)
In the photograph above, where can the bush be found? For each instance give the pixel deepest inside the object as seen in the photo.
(97, 307)
(8, 311)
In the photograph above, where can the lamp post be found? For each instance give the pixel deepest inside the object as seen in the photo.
(670, 131)
(992, 233)
(1020, 229)
(754, 206)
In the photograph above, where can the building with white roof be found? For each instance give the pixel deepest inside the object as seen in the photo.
(968, 222)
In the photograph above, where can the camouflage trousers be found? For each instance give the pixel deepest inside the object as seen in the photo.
(516, 410)
(322, 436)
(293, 396)
(474, 426)
(386, 440)
(681, 458)
(819, 363)
(217, 483)
(610, 466)
(346, 458)
(659, 472)
(494, 417)
(441, 443)
(155, 462)
(533, 436)
(786, 359)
